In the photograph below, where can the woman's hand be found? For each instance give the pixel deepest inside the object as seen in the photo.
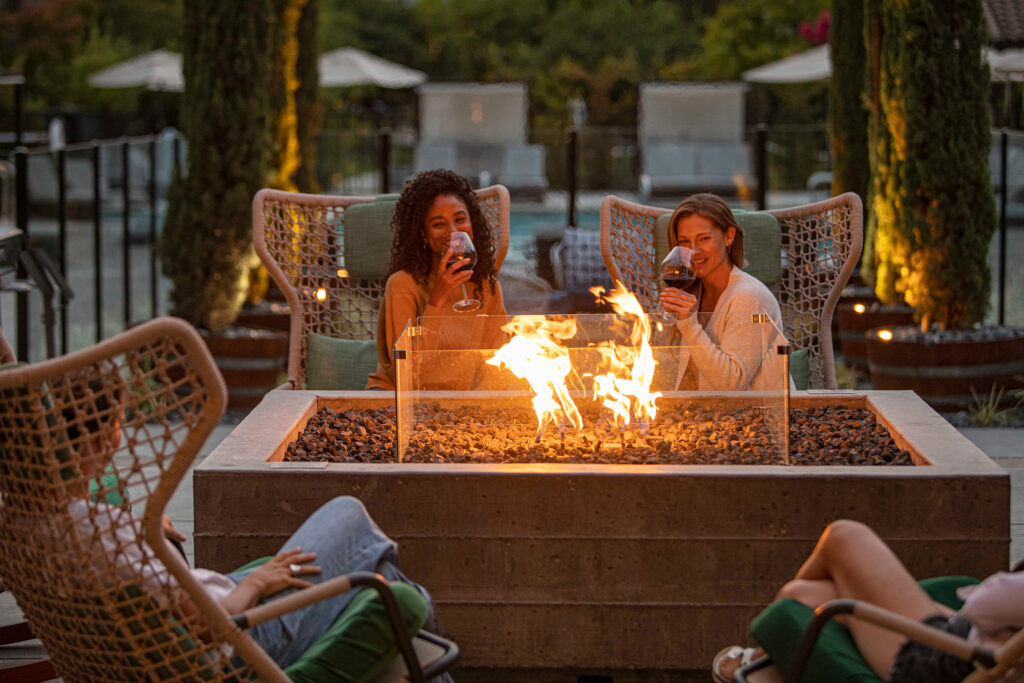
(171, 532)
(447, 279)
(276, 574)
(679, 302)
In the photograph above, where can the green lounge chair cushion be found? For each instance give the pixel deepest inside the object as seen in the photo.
(339, 363)
(780, 626)
(367, 238)
(800, 368)
(762, 244)
(360, 642)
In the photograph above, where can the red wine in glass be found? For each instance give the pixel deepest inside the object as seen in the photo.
(462, 248)
(676, 271)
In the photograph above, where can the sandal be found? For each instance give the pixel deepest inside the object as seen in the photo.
(737, 657)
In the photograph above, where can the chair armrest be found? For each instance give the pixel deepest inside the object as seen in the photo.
(339, 584)
(914, 630)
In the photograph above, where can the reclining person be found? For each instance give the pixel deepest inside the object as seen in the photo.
(851, 561)
(339, 538)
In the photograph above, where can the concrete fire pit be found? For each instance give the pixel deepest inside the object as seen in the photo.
(641, 572)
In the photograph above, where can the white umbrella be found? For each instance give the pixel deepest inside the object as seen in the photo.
(351, 66)
(810, 65)
(156, 70)
(816, 64)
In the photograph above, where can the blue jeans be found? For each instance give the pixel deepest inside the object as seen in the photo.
(345, 540)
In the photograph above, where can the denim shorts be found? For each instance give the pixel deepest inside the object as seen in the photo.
(917, 663)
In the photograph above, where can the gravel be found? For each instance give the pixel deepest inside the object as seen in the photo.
(827, 435)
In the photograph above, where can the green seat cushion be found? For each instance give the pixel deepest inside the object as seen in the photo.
(367, 238)
(800, 368)
(762, 244)
(780, 626)
(360, 642)
(339, 363)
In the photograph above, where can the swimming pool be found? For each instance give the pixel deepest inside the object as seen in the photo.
(524, 225)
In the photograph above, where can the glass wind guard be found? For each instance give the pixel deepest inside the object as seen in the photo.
(402, 354)
(591, 388)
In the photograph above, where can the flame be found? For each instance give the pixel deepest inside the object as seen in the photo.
(535, 354)
(621, 382)
(625, 388)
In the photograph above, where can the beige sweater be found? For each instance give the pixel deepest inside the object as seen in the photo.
(405, 300)
(731, 352)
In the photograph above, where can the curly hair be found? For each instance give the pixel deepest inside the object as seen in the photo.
(409, 249)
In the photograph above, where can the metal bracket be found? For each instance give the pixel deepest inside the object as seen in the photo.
(760, 318)
(783, 349)
(414, 331)
(398, 354)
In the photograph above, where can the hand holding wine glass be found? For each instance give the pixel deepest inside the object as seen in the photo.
(462, 248)
(676, 271)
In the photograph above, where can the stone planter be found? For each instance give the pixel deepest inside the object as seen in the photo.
(943, 373)
(857, 317)
(641, 572)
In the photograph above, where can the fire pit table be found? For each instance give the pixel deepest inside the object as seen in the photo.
(546, 571)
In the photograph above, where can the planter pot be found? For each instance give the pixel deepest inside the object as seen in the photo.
(252, 361)
(943, 372)
(857, 317)
(268, 315)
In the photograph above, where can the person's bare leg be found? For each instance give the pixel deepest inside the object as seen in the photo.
(861, 566)
(811, 592)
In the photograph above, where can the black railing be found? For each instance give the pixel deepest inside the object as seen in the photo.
(112, 190)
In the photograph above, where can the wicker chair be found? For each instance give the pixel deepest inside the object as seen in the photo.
(301, 240)
(821, 243)
(155, 391)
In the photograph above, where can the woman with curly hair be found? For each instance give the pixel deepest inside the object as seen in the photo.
(422, 281)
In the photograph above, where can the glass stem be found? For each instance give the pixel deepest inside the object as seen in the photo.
(465, 297)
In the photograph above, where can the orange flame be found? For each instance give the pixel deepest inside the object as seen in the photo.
(621, 382)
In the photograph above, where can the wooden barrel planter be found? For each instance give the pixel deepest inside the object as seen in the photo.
(943, 373)
(253, 361)
(857, 317)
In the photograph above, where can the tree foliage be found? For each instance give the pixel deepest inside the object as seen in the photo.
(206, 247)
(933, 198)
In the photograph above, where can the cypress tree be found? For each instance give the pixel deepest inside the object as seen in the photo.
(206, 246)
(936, 212)
(307, 97)
(284, 82)
(848, 120)
(878, 145)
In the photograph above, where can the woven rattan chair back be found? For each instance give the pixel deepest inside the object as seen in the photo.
(300, 240)
(144, 402)
(821, 243)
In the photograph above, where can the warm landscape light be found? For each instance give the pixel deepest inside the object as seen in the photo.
(342, 272)
(859, 308)
(321, 294)
(885, 335)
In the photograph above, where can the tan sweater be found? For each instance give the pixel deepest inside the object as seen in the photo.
(731, 352)
(405, 300)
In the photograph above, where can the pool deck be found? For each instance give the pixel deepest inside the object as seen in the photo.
(1004, 445)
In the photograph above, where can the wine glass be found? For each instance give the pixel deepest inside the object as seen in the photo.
(676, 271)
(462, 248)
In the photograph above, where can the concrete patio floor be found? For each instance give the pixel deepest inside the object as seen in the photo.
(1004, 445)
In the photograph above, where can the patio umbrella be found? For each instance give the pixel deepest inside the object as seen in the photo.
(156, 70)
(810, 65)
(350, 66)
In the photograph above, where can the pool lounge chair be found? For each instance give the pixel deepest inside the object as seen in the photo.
(679, 168)
(819, 247)
(98, 617)
(522, 172)
(329, 255)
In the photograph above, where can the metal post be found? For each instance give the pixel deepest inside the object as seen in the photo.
(62, 236)
(21, 218)
(97, 243)
(571, 159)
(761, 164)
(384, 149)
(1004, 139)
(19, 112)
(126, 230)
(154, 299)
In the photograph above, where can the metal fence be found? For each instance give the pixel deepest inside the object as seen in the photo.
(97, 208)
